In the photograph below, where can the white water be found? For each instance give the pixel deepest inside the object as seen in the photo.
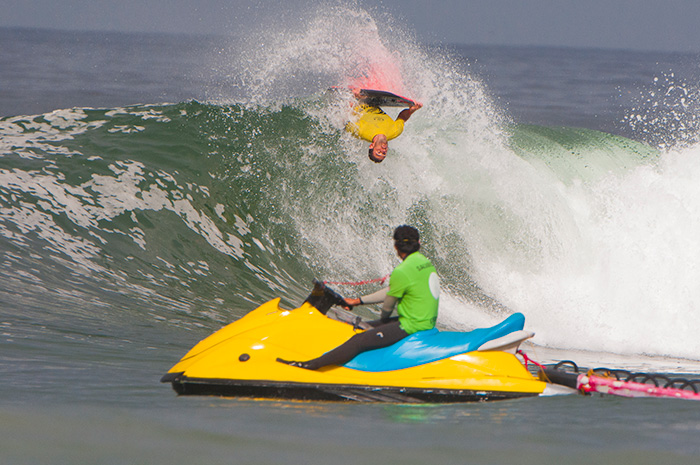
(625, 279)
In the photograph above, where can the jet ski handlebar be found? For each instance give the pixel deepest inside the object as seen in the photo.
(322, 297)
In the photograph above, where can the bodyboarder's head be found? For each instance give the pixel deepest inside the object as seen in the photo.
(378, 148)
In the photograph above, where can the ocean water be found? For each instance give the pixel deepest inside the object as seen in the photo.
(156, 187)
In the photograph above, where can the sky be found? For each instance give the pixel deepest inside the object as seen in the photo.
(667, 25)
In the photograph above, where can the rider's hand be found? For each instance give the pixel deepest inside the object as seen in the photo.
(349, 303)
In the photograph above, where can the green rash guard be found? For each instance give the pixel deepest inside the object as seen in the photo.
(416, 285)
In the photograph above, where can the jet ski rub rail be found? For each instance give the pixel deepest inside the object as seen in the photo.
(332, 392)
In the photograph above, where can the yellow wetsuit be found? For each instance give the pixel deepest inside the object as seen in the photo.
(373, 121)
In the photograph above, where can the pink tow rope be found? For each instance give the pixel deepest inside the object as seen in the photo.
(358, 283)
(592, 383)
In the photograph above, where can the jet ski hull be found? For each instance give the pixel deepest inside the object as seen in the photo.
(332, 392)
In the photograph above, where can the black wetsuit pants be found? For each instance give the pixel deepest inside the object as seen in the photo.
(382, 335)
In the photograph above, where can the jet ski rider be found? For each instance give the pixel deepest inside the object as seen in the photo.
(414, 285)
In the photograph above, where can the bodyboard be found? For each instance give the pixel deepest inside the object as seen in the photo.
(382, 98)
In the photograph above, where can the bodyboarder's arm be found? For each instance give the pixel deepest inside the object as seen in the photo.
(405, 114)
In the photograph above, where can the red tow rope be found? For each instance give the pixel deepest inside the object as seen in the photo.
(528, 360)
(358, 283)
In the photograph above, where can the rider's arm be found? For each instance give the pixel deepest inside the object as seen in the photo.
(388, 301)
(388, 306)
(374, 298)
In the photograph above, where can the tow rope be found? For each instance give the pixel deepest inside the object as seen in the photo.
(357, 283)
(623, 383)
(529, 360)
(542, 371)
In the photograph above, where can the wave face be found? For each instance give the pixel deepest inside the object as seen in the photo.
(194, 213)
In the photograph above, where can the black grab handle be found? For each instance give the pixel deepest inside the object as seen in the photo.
(322, 297)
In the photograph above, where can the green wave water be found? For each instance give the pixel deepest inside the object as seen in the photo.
(579, 154)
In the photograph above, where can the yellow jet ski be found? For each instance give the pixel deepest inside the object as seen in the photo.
(428, 366)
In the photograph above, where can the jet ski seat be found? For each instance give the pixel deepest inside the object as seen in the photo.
(431, 345)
